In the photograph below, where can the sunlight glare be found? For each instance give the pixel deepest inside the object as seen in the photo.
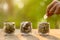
(19, 3)
(5, 6)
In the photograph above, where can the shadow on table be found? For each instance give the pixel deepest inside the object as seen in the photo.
(30, 37)
(50, 37)
(11, 37)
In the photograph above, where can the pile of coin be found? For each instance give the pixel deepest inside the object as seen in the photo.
(43, 28)
(9, 27)
(26, 27)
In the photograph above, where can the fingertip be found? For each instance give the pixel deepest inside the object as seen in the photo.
(49, 14)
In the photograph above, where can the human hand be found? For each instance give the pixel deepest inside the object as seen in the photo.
(53, 8)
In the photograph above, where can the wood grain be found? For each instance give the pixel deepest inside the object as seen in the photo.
(54, 34)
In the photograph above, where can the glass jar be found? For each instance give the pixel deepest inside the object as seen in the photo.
(43, 28)
(26, 27)
(9, 27)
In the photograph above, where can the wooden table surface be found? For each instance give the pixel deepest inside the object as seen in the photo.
(53, 35)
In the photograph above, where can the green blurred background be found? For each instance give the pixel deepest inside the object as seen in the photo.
(26, 10)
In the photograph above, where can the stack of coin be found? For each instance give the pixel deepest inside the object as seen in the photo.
(9, 27)
(43, 28)
(26, 27)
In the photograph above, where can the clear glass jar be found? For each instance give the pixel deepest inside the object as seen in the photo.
(43, 28)
(26, 27)
(9, 27)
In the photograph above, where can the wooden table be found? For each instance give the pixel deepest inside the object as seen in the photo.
(53, 35)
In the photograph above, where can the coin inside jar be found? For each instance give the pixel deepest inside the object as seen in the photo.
(26, 27)
(9, 27)
(43, 28)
